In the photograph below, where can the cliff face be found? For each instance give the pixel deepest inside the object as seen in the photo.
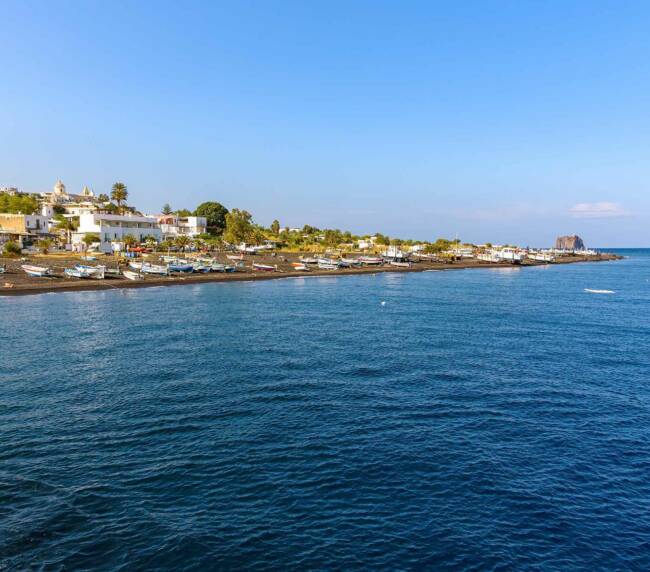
(569, 243)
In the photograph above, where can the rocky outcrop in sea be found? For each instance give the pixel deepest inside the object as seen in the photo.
(573, 242)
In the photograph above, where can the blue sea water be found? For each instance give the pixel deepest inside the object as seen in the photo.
(478, 420)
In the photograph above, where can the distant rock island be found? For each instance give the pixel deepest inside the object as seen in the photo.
(569, 243)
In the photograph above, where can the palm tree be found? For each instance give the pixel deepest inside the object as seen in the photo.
(119, 194)
(182, 242)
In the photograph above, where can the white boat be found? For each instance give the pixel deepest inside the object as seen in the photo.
(308, 260)
(488, 256)
(135, 265)
(235, 256)
(96, 272)
(511, 255)
(328, 262)
(400, 264)
(266, 267)
(350, 262)
(592, 291)
(76, 273)
(154, 269)
(38, 271)
(541, 256)
(3, 269)
(371, 260)
(327, 266)
(129, 275)
(246, 249)
(217, 267)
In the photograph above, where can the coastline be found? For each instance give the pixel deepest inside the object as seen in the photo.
(33, 286)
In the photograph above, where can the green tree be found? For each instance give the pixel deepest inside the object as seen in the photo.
(215, 214)
(66, 225)
(167, 209)
(103, 198)
(44, 245)
(333, 237)
(439, 245)
(239, 227)
(382, 239)
(275, 227)
(184, 212)
(110, 208)
(19, 203)
(90, 238)
(119, 194)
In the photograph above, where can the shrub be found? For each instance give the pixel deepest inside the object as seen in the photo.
(11, 248)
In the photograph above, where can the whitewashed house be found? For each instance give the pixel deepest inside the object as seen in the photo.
(113, 228)
(173, 226)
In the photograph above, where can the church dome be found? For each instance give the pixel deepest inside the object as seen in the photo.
(59, 188)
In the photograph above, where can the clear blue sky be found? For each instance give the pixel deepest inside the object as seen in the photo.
(497, 121)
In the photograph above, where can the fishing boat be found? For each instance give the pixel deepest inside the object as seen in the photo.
(230, 268)
(400, 264)
(76, 273)
(509, 254)
(541, 256)
(202, 268)
(265, 267)
(37, 271)
(154, 269)
(217, 267)
(328, 261)
(3, 269)
(371, 260)
(308, 260)
(235, 256)
(327, 266)
(301, 266)
(112, 272)
(96, 272)
(184, 268)
(135, 265)
(129, 275)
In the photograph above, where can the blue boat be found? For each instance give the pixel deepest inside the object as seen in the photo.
(181, 268)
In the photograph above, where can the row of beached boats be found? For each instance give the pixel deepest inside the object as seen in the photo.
(169, 265)
(324, 263)
(136, 270)
(180, 266)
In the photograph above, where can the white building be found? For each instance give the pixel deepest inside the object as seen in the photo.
(366, 243)
(173, 226)
(24, 229)
(113, 228)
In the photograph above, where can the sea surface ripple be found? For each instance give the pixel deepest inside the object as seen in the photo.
(478, 420)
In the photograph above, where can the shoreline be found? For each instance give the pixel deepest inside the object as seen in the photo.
(58, 284)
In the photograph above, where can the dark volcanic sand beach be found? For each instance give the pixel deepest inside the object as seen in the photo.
(16, 282)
